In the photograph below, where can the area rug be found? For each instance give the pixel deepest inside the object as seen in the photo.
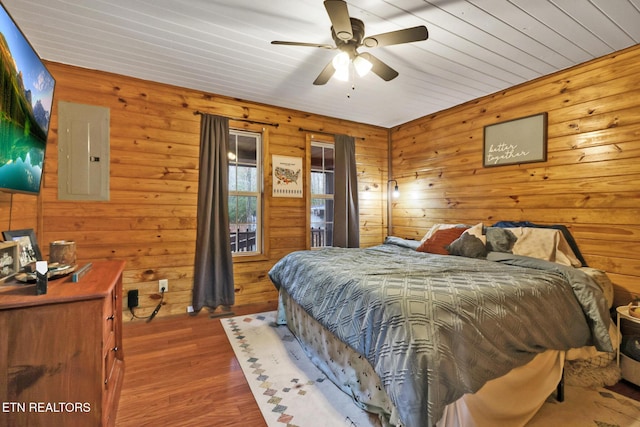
(292, 392)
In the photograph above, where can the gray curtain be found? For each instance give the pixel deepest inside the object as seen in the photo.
(346, 227)
(213, 284)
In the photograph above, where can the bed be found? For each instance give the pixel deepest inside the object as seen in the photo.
(424, 338)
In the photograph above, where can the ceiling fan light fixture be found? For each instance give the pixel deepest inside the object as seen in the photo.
(341, 64)
(341, 61)
(362, 65)
(342, 74)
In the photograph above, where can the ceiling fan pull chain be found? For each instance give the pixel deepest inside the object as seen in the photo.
(353, 88)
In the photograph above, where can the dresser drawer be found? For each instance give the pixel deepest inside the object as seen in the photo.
(109, 315)
(110, 352)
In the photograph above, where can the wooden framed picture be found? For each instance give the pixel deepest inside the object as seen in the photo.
(9, 260)
(29, 251)
(516, 141)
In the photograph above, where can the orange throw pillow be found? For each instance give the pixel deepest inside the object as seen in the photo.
(441, 238)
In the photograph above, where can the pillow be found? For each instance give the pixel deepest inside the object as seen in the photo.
(544, 243)
(478, 231)
(441, 238)
(500, 239)
(563, 228)
(399, 241)
(440, 226)
(467, 245)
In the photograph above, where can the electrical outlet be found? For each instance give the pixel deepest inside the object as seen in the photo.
(163, 283)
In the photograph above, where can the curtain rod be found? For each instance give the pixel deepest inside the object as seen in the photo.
(326, 133)
(239, 119)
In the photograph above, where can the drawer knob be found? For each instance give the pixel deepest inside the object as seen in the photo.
(113, 316)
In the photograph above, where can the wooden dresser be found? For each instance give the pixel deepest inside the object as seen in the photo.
(61, 353)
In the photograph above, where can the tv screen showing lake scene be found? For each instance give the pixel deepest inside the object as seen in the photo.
(26, 97)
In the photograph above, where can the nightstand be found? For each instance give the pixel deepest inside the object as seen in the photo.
(629, 367)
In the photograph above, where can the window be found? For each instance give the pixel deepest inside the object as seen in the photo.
(322, 183)
(245, 192)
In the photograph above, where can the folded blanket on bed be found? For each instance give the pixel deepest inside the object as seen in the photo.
(436, 327)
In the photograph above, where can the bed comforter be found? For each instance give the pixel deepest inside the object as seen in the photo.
(436, 327)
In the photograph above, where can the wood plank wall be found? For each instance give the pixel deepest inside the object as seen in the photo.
(150, 219)
(18, 211)
(590, 181)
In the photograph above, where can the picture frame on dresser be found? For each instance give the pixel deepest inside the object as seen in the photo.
(9, 260)
(29, 251)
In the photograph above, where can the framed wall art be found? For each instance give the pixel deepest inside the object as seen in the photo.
(287, 176)
(516, 141)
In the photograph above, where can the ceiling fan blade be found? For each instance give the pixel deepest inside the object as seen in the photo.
(322, 46)
(325, 74)
(340, 20)
(407, 35)
(385, 72)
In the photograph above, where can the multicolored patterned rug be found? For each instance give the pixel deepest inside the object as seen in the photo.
(289, 389)
(292, 392)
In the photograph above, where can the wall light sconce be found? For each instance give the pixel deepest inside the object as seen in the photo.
(396, 191)
(395, 194)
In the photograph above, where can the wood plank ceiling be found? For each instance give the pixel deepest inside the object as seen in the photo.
(475, 47)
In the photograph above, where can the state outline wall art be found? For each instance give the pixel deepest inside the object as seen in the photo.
(287, 176)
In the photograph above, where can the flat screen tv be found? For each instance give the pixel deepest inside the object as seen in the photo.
(26, 97)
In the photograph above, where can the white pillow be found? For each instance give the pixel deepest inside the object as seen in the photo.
(547, 244)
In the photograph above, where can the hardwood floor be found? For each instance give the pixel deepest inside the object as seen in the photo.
(181, 371)
(627, 389)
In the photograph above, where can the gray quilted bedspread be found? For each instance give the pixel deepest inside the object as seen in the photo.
(436, 327)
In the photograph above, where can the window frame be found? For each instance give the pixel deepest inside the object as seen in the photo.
(323, 141)
(261, 252)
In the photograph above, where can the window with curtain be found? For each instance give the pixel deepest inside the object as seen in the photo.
(245, 192)
(322, 191)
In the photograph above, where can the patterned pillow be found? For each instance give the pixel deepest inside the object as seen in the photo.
(441, 238)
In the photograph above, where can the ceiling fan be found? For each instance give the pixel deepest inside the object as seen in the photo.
(348, 34)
